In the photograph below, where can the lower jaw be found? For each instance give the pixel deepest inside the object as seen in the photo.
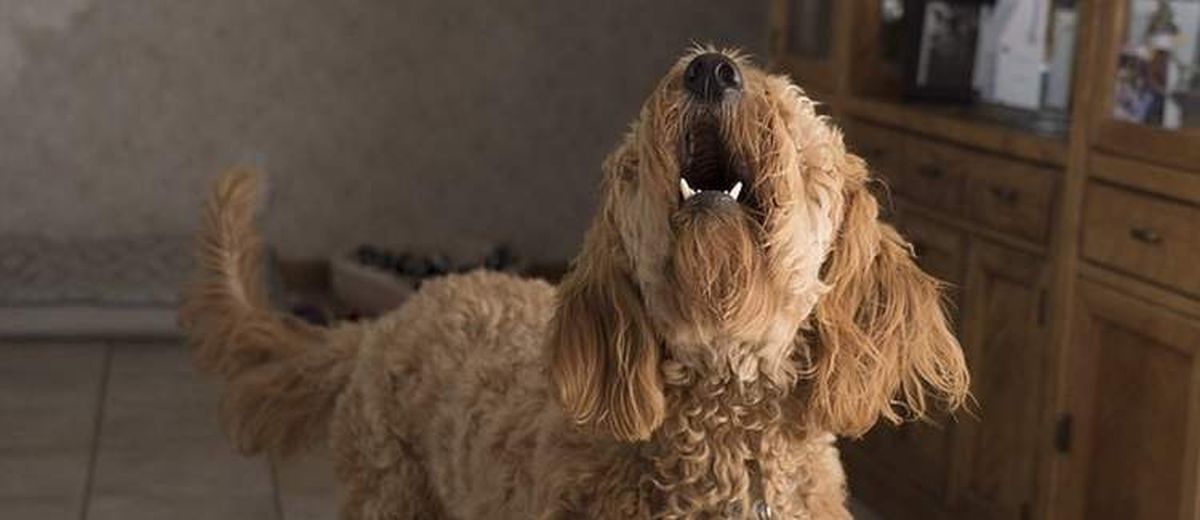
(717, 268)
(715, 212)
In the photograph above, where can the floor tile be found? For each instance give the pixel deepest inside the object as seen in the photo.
(185, 468)
(155, 397)
(42, 426)
(307, 486)
(161, 454)
(33, 374)
(49, 402)
(158, 373)
(145, 507)
(43, 473)
(129, 424)
(38, 508)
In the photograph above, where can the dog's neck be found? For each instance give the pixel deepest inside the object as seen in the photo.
(724, 430)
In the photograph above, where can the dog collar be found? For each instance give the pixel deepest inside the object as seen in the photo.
(762, 510)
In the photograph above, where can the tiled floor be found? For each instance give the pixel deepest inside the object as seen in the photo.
(108, 431)
(128, 431)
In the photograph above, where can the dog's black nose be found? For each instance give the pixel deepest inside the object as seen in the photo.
(710, 75)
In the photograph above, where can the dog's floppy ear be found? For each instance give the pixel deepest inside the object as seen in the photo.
(604, 354)
(881, 339)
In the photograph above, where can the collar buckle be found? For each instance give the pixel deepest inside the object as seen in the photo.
(762, 510)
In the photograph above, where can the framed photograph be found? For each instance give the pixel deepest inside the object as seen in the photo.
(941, 56)
(1155, 65)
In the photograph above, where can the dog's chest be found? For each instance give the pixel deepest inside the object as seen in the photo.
(723, 455)
(724, 485)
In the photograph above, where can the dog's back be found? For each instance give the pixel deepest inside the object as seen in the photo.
(440, 401)
(448, 399)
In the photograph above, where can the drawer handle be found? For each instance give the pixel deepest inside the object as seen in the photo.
(931, 172)
(1146, 235)
(1009, 196)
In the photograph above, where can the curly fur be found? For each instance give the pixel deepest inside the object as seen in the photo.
(282, 376)
(694, 360)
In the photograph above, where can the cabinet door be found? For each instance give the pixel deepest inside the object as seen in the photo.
(913, 455)
(802, 39)
(1134, 399)
(919, 450)
(1148, 81)
(1005, 334)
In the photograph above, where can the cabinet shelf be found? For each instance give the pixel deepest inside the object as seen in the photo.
(977, 127)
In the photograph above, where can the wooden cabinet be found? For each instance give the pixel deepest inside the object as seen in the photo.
(802, 39)
(1004, 341)
(1136, 409)
(1073, 252)
(984, 463)
(920, 452)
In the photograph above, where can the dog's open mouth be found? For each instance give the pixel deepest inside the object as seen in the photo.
(710, 172)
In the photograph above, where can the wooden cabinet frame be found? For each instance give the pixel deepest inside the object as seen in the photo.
(824, 78)
(1171, 147)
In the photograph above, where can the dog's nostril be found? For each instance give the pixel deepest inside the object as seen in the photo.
(710, 75)
(727, 75)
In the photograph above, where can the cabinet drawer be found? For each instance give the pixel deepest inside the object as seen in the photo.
(883, 149)
(939, 249)
(1148, 237)
(936, 175)
(1010, 196)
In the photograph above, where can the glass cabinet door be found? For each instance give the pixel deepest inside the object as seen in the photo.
(809, 26)
(1152, 78)
(802, 40)
(877, 48)
(1157, 79)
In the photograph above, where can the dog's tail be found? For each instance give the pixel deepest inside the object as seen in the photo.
(281, 376)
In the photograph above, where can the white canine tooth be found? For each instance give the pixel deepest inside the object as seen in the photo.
(735, 190)
(687, 191)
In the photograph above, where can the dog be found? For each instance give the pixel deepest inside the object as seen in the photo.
(737, 304)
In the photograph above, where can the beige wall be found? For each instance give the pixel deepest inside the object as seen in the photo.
(422, 122)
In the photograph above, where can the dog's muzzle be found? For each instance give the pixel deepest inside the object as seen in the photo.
(711, 76)
(712, 174)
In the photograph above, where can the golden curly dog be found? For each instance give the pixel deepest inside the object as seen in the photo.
(736, 305)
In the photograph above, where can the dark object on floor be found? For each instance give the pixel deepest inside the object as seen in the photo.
(372, 280)
(310, 313)
(412, 265)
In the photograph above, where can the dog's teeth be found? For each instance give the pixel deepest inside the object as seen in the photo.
(687, 191)
(735, 191)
